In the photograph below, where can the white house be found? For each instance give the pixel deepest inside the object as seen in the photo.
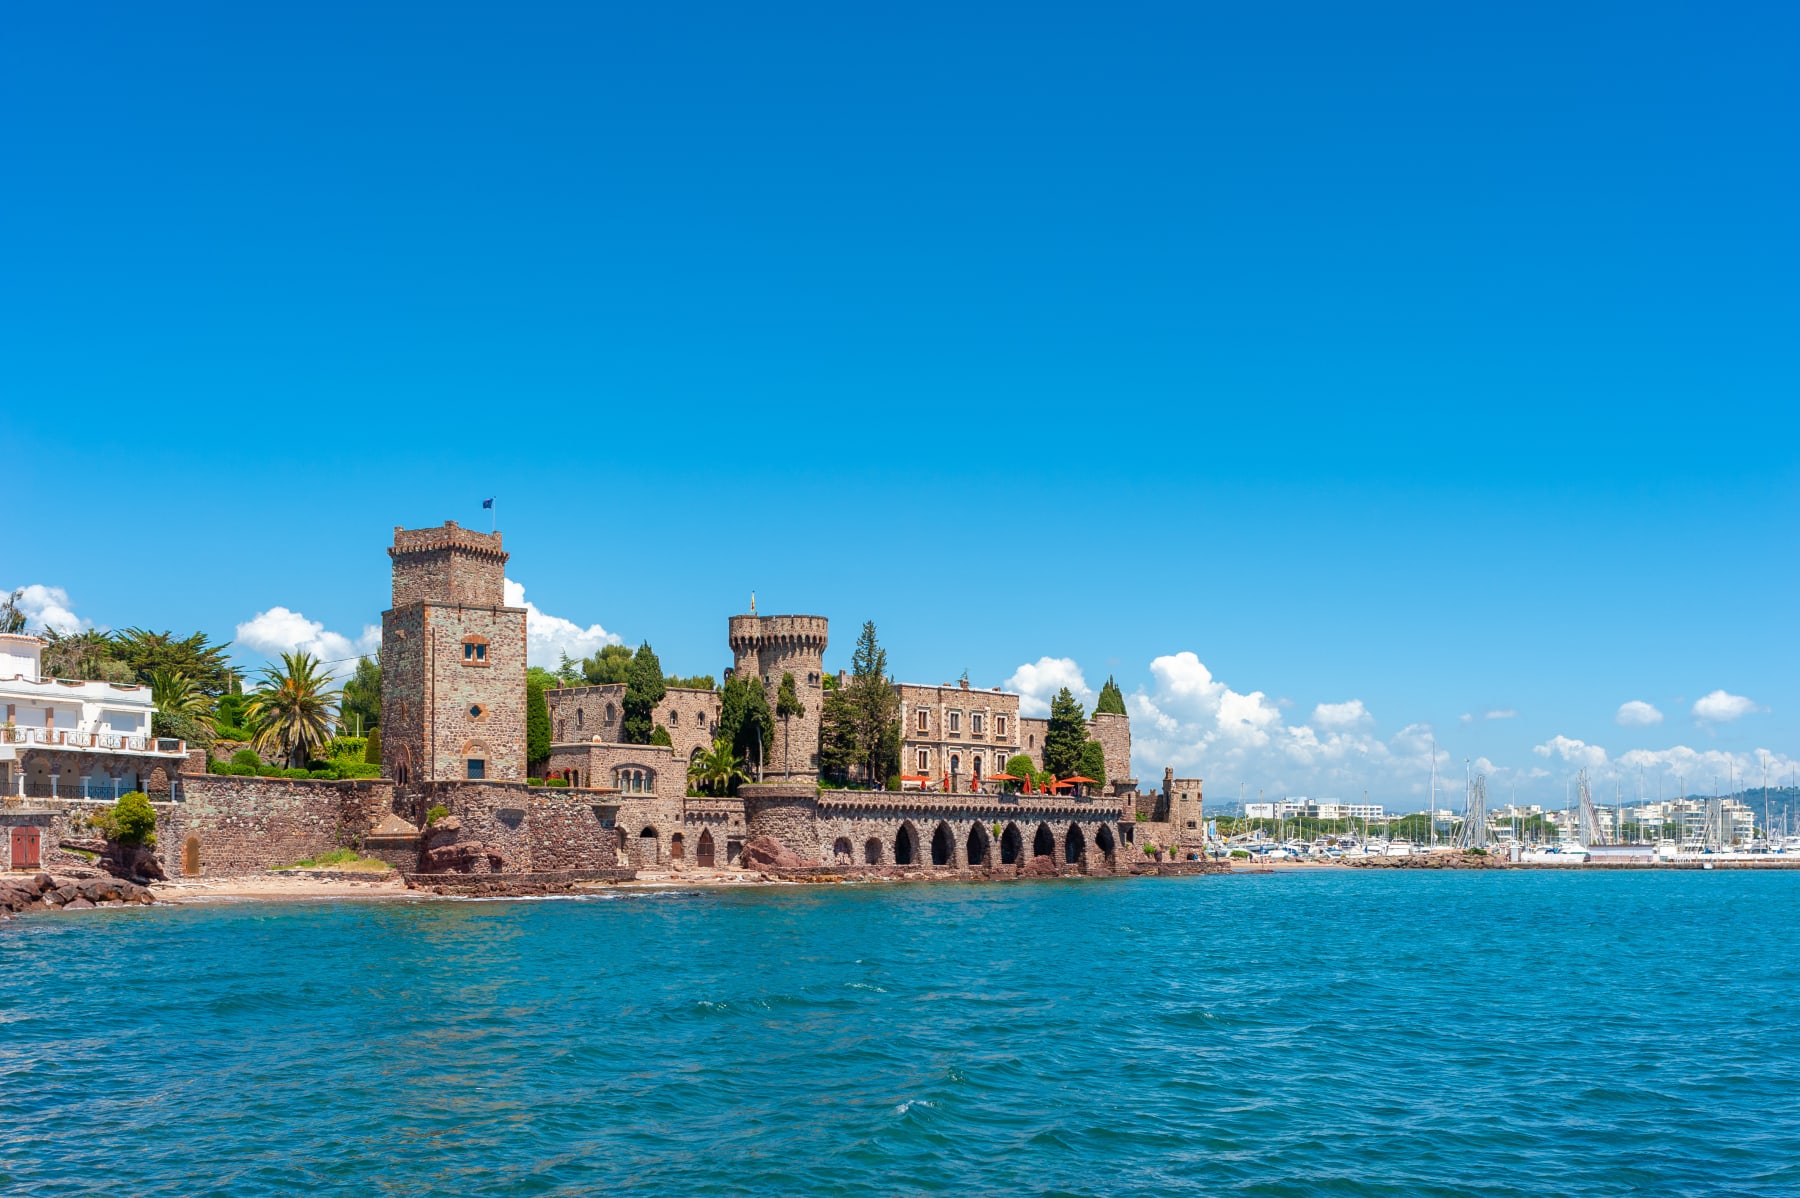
(68, 738)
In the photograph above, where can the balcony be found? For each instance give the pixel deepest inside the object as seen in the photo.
(92, 742)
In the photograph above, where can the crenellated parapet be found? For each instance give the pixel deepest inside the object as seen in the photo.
(754, 634)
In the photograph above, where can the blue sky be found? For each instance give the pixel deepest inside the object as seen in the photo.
(1434, 359)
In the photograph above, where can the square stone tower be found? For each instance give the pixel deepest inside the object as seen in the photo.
(452, 660)
(766, 647)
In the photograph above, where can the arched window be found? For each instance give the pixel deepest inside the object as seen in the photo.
(609, 713)
(580, 718)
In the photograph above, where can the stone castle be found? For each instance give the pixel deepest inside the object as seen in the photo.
(454, 806)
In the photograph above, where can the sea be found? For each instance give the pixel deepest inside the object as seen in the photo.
(1339, 1032)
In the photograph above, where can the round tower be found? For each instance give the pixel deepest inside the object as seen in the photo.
(766, 647)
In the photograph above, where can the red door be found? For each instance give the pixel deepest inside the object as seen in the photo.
(25, 847)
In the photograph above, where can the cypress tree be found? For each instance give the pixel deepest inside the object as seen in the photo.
(1112, 699)
(644, 689)
(1066, 736)
(537, 724)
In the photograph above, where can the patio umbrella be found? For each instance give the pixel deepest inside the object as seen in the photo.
(1002, 778)
(1075, 779)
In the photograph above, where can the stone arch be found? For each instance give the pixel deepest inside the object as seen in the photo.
(906, 845)
(1074, 845)
(943, 845)
(872, 851)
(403, 764)
(190, 857)
(649, 850)
(978, 845)
(842, 851)
(703, 852)
(1103, 840)
(1012, 845)
(677, 847)
(1044, 843)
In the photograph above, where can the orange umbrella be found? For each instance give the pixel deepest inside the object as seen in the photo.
(1059, 784)
(1002, 778)
(915, 778)
(1077, 778)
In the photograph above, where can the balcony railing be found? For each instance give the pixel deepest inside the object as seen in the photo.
(99, 742)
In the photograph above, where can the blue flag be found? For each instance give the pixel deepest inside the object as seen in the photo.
(487, 503)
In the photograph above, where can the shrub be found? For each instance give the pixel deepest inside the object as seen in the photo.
(659, 735)
(269, 771)
(534, 781)
(372, 750)
(893, 782)
(240, 771)
(321, 773)
(556, 782)
(131, 820)
(1241, 853)
(216, 767)
(245, 757)
(295, 773)
(438, 811)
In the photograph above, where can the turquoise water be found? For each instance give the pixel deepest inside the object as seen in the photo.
(1343, 1033)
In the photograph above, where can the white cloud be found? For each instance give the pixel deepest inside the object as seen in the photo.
(1037, 683)
(1342, 715)
(1504, 713)
(1576, 752)
(1637, 714)
(47, 607)
(281, 630)
(548, 637)
(1720, 708)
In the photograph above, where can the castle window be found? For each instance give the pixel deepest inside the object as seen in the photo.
(580, 716)
(999, 725)
(609, 713)
(924, 761)
(674, 719)
(477, 769)
(955, 764)
(975, 723)
(924, 720)
(956, 721)
(475, 650)
(475, 710)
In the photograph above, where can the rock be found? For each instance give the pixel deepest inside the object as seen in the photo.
(442, 832)
(78, 904)
(468, 857)
(1039, 867)
(133, 861)
(765, 852)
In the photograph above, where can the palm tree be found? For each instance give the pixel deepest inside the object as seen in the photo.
(182, 709)
(293, 708)
(718, 769)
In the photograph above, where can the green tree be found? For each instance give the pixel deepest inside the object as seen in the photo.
(873, 711)
(372, 751)
(1112, 699)
(644, 689)
(194, 655)
(718, 770)
(292, 710)
(695, 682)
(87, 655)
(837, 733)
(131, 820)
(611, 665)
(181, 710)
(1067, 735)
(361, 709)
(1021, 766)
(745, 721)
(1093, 762)
(231, 716)
(787, 706)
(12, 618)
(659, 735)
(537, 726)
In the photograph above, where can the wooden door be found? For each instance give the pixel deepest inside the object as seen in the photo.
(25, 846)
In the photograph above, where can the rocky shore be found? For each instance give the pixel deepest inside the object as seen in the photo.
(1431, 861)
(44, 892)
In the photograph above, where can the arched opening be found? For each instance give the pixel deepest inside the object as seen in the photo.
(1103, 840)
(1074, 844)
(1012, 845)
(649, 847)
(677, 847)
(905, 845)
(580, 718)
(1044, 843)
(943, 845)
(190, 857)
(703, 852)
(978, 846)
(842, 851)
(872, 852)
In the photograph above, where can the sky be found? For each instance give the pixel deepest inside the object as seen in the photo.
(1344, 380)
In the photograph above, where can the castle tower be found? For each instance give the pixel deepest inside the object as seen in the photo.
(766, 647)
(452, 660)
(1187, 814)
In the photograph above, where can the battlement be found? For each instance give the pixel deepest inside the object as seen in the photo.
(451, 565)
(750, 634)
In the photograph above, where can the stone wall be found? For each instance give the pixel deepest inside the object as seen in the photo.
(1034, 731)
(1113, 731)
(529, 827)
(631, 769)
(476, 708)
(450, 564)
(766, 647)
(404, 756)
(785, 812)
(587, 713)
(246, 825)
(868, 829)
(692, 717)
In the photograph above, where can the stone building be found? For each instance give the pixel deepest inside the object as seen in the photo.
(580, 714)
(767, 647)
(452, 661)
(954, 735)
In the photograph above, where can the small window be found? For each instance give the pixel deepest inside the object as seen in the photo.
(955, 764)
(975, 723)
(580, 717)
(999, 725)
(924, 720)
(475, 650)
(477, 769)
(956, 721)
(1190, 823)
(475, 710)
(674, 719)
(924, 760)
